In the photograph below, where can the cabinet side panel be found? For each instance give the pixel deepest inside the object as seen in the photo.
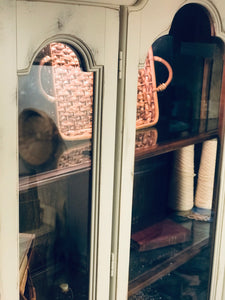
(8, 154)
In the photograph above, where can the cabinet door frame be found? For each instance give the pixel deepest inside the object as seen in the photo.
(8, 155)
(145, 22)
(105, 3)
(100, 31)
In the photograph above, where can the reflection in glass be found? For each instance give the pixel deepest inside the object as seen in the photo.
(56, 91)
(55, 130)
(73, 92)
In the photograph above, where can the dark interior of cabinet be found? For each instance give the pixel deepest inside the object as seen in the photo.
(190, 104)
(189, 111)
(58, 213)
(152, 179)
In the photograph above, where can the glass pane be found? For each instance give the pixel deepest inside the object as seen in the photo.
(190, 104)
(55, 146)
(174, 203)
(172, 219)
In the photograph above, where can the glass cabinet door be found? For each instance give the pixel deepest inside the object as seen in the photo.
(55, 146)
(177, 122)
(63, 149)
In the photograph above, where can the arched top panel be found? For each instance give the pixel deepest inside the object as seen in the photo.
(59, 83)
(92, 30)
(195, 55)
(84, 55)
(152, 22)
(192, 23)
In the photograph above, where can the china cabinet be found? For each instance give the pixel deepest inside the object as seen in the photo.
(112, 149)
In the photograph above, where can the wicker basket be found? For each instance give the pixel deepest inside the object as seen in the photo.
(147, 100)
(146, 138)
(76, 156)
(73, 92)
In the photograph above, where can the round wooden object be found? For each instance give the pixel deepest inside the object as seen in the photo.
(38, 136)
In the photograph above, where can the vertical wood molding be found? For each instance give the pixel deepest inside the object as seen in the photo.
(8, 154)
(218, 269)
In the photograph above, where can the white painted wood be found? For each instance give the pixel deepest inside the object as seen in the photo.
(107, 152)
(83, 22)
(8, 154)
(128, 138)
(109, 3)
(218, 272)
(97, 28)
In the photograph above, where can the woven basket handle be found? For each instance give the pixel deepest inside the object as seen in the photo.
(164, 85)
(159, 88)
(44, 60)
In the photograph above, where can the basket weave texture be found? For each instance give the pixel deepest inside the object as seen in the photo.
(147, 100)
(73, 92)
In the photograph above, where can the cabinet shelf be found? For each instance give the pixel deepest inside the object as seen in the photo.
(27, 182)
(168, 146)
(165, 260)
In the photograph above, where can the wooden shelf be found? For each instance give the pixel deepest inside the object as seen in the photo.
(30, 181)
(165, 147)
(159, 267)
(27, 182)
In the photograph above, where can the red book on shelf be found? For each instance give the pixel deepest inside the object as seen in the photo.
(162, 234)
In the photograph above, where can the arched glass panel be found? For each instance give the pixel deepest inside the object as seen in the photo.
(55, 146)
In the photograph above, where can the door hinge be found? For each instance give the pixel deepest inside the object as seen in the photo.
(112, 266)
(120, 65)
